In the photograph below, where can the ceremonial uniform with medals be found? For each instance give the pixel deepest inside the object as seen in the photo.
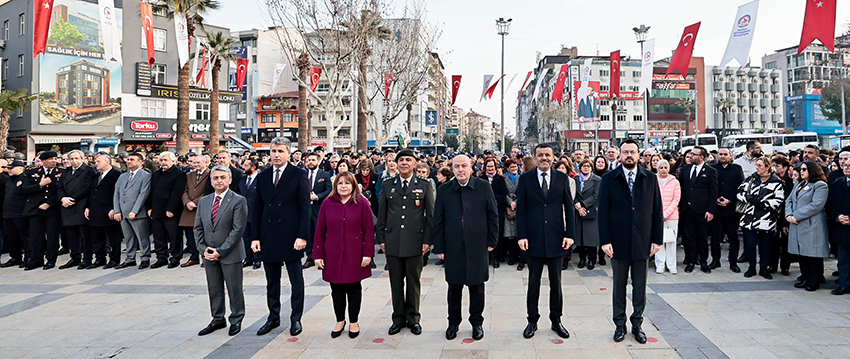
(43, 222)
(404, 226)
(15, 224)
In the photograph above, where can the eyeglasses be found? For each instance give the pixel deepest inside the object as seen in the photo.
(804, 169)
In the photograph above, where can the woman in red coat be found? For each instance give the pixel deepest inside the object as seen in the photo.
(344, 245)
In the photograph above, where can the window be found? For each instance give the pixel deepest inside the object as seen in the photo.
(637, 118)
(323, 88)
(268, 118)
(603, 103)
(20, 65)
(322, 133)
(603, 87)
(21, 24)
(770, 65)
(158, 74)
(5, 69)
(6, 30)
(153, 108)
(621, 118)
(202, 111)
(253, 59)
(635, 73)
(159, 36)
(20, 112)
(605, 117)
(344, 133)
(603, 73)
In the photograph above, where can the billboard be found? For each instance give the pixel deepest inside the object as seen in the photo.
(587, 107)
(76, 85)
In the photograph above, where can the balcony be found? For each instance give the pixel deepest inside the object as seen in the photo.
(774, 74)
(774, 88)
(741, 72)
(776, 117)
(764, 117)
(729, 86)
(717, 86)
(742, 102)
(763, 73)
(728, 71)
(775, 103)
(740, 87)
(764, 103)
(764, 88)
(752, 87)
(740, 117)
(716, 70)
(753, 102)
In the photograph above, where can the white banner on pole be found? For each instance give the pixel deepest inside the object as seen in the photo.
(741, 38)
(585, 78)
(647, 65)
(109, 30)
(278, 69)
(182, 35)
(487, 79)
(508, 87)
(539, 80)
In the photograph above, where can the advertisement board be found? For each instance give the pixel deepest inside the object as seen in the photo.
(587, 107)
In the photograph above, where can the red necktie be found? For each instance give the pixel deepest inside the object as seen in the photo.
(215, 208)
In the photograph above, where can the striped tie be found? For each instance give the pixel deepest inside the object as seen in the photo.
(215, 208)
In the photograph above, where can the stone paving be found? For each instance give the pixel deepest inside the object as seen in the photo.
(133, 313)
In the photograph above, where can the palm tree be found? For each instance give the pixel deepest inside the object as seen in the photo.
(11, 101)
(219, 47)
(192, 10)
(688, 105)
(723, 104)
(303, 64)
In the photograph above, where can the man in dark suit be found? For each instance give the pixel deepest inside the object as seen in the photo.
(320, 188)
(198, 184)
(165, 206)
(74, 190)
(729, 177)
(42, 208)
(219, 224)
(225, 159)
(696, 208)
(500, 191)
(103, 229)
(279, 231)
(466, 228)
(631, 222)
(545, 223)
(838, 210)
(248, 189)
(406, 209)
(843, 156)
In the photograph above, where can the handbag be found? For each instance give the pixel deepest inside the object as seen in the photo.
(511, 213)
(741, 206)
(669, 235)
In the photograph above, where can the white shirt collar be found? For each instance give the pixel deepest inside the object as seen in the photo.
(698, 168)
(136, 171)
(282, 168)
(103, 174)
(221, 196)
(626, 171)
(409, 179)
(548, 173)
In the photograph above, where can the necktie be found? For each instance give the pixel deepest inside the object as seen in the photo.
(631, 182)
(100, 178)
(693, 172)
(73, 170)
(544, 186)
(311, 179)
(404, 186)
(276, 176)
(197, 177)
(216, 203)
(248, 182)
(129, 180)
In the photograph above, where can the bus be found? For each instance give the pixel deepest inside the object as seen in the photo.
(785, 142)
(737, 144)
(836, 143)
(683, 144)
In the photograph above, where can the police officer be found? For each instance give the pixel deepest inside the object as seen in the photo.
(14, 222)
(404, 232)
(42, 208)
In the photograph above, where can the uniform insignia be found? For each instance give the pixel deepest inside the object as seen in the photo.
(19, 183)
(392, 190)
(417, 190)
(417, 202)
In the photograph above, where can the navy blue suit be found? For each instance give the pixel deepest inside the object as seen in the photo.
(839, 204)
(321, 186)
(250, 193)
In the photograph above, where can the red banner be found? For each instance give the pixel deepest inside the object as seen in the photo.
(147, 26)
(489, 93)
(818, 24)
(201, 79)
(241, 71)
(455, 87)
(43, 10)
(682, 57)
(315, 75)
(388, 82)
(558, 91)
(615, 73)
(523, 85)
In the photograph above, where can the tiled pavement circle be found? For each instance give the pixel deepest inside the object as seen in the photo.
(133, 313)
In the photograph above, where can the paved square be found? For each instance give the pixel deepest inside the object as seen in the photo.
(133, 313)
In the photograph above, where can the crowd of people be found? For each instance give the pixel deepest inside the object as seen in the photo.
(472, 211)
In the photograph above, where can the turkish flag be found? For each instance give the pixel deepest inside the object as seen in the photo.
(615, 74)
(455, 87)
(147, 27)
(315, 75)
(558, 91)
(388, 82)
(818, 24)
(489, 93)
(682, 57)
(241, 71)
(43, 10)
(523, 85)
(201, 78)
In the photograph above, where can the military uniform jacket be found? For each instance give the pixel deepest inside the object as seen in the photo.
(16, 199)
(404, 218)
(36, 195)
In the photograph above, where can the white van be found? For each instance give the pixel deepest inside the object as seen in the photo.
(737, 144)
(794, 141)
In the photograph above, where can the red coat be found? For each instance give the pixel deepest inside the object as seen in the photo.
(345, 233)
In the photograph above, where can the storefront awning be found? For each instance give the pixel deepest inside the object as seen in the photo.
(240, 142)
(58, 139)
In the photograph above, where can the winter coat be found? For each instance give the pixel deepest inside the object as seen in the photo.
(809, 236)
(510, 224)
(588, 231)
(763, 202)
(345, 233)
(671, 193)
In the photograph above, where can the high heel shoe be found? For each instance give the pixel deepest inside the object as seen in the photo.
(353, 334)
(335, 334)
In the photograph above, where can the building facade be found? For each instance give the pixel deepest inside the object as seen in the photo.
(755, 95)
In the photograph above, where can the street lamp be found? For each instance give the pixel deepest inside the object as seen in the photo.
(502, 28)
(640, 34)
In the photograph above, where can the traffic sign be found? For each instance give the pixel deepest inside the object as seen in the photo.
(430, 118)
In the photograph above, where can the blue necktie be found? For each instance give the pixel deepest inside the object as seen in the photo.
(631, 182)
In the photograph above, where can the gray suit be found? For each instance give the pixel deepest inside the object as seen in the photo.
(225, 235)
(131, 198)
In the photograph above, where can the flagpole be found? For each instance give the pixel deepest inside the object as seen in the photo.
(640, 33)
(503, 27)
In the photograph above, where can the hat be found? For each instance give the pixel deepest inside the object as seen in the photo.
(16, 163)
(48, 155)
(405, 153)
(11, 148)
(8, 154)
(19, 156)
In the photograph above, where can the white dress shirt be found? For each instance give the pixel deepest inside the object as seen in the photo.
(548, 177)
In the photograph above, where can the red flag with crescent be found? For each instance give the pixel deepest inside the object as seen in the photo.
(241, 71)
(43, 10)
(201, 78)
(615, 74)
(523, 85)
(819, 24)
(388, 82)
(558, 91)
(315, 75)
(682, 57)
(147, 27)
(489, 93)
(455, 87)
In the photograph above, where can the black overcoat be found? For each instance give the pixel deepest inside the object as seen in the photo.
(838, 204)
(76, 185)
(728, 181)
(500, 190)
(100, 198)
(166, 193)
(281, 214)
(545, 222)
(630, 223)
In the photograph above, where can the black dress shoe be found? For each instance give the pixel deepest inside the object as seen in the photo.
(704, 268)
(495, 263)
(211, 328)
(97, 263)
(840, 291)
(689, 268)
(812, 288)
(386, 267)
(247, 263)
(734, 268)
(742, 258)
(48, 265)
(32, 265)
(295, 328)
(511, 262)
(620, 334)
(801, 284)
(336, 334)
(256, 265)
(451, 332)
(439, 262)
(394, 329)
(158, 264)
(266, 328)
(520, 266)
(590, 265)
(640, 336)
(560, 330)
(581, 264)
(125, 265)
(416, 329)
(785, 272)
(751, 272)
(771, 270)
(173, 265)
(144, 264)
(351, 334)
(835, 274)
(477, 332)
(602, 261)
(70, 264)
(765, 274)
(308, 264)
(714, 265)
(565, 266)
(234, 329)
(83, 265)
(528, 333)
(11, 263)
(63, 251)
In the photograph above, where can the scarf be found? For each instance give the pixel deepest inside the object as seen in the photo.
(366, 181)
(513, 177)
(583, 178)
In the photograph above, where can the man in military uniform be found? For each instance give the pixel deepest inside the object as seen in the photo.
(15, 224)
(404, 233)
(42, 209)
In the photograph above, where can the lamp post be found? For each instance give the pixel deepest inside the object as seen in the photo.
(640, 34)
(502, 28)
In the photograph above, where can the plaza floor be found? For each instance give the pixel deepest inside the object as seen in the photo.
(132, 313)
